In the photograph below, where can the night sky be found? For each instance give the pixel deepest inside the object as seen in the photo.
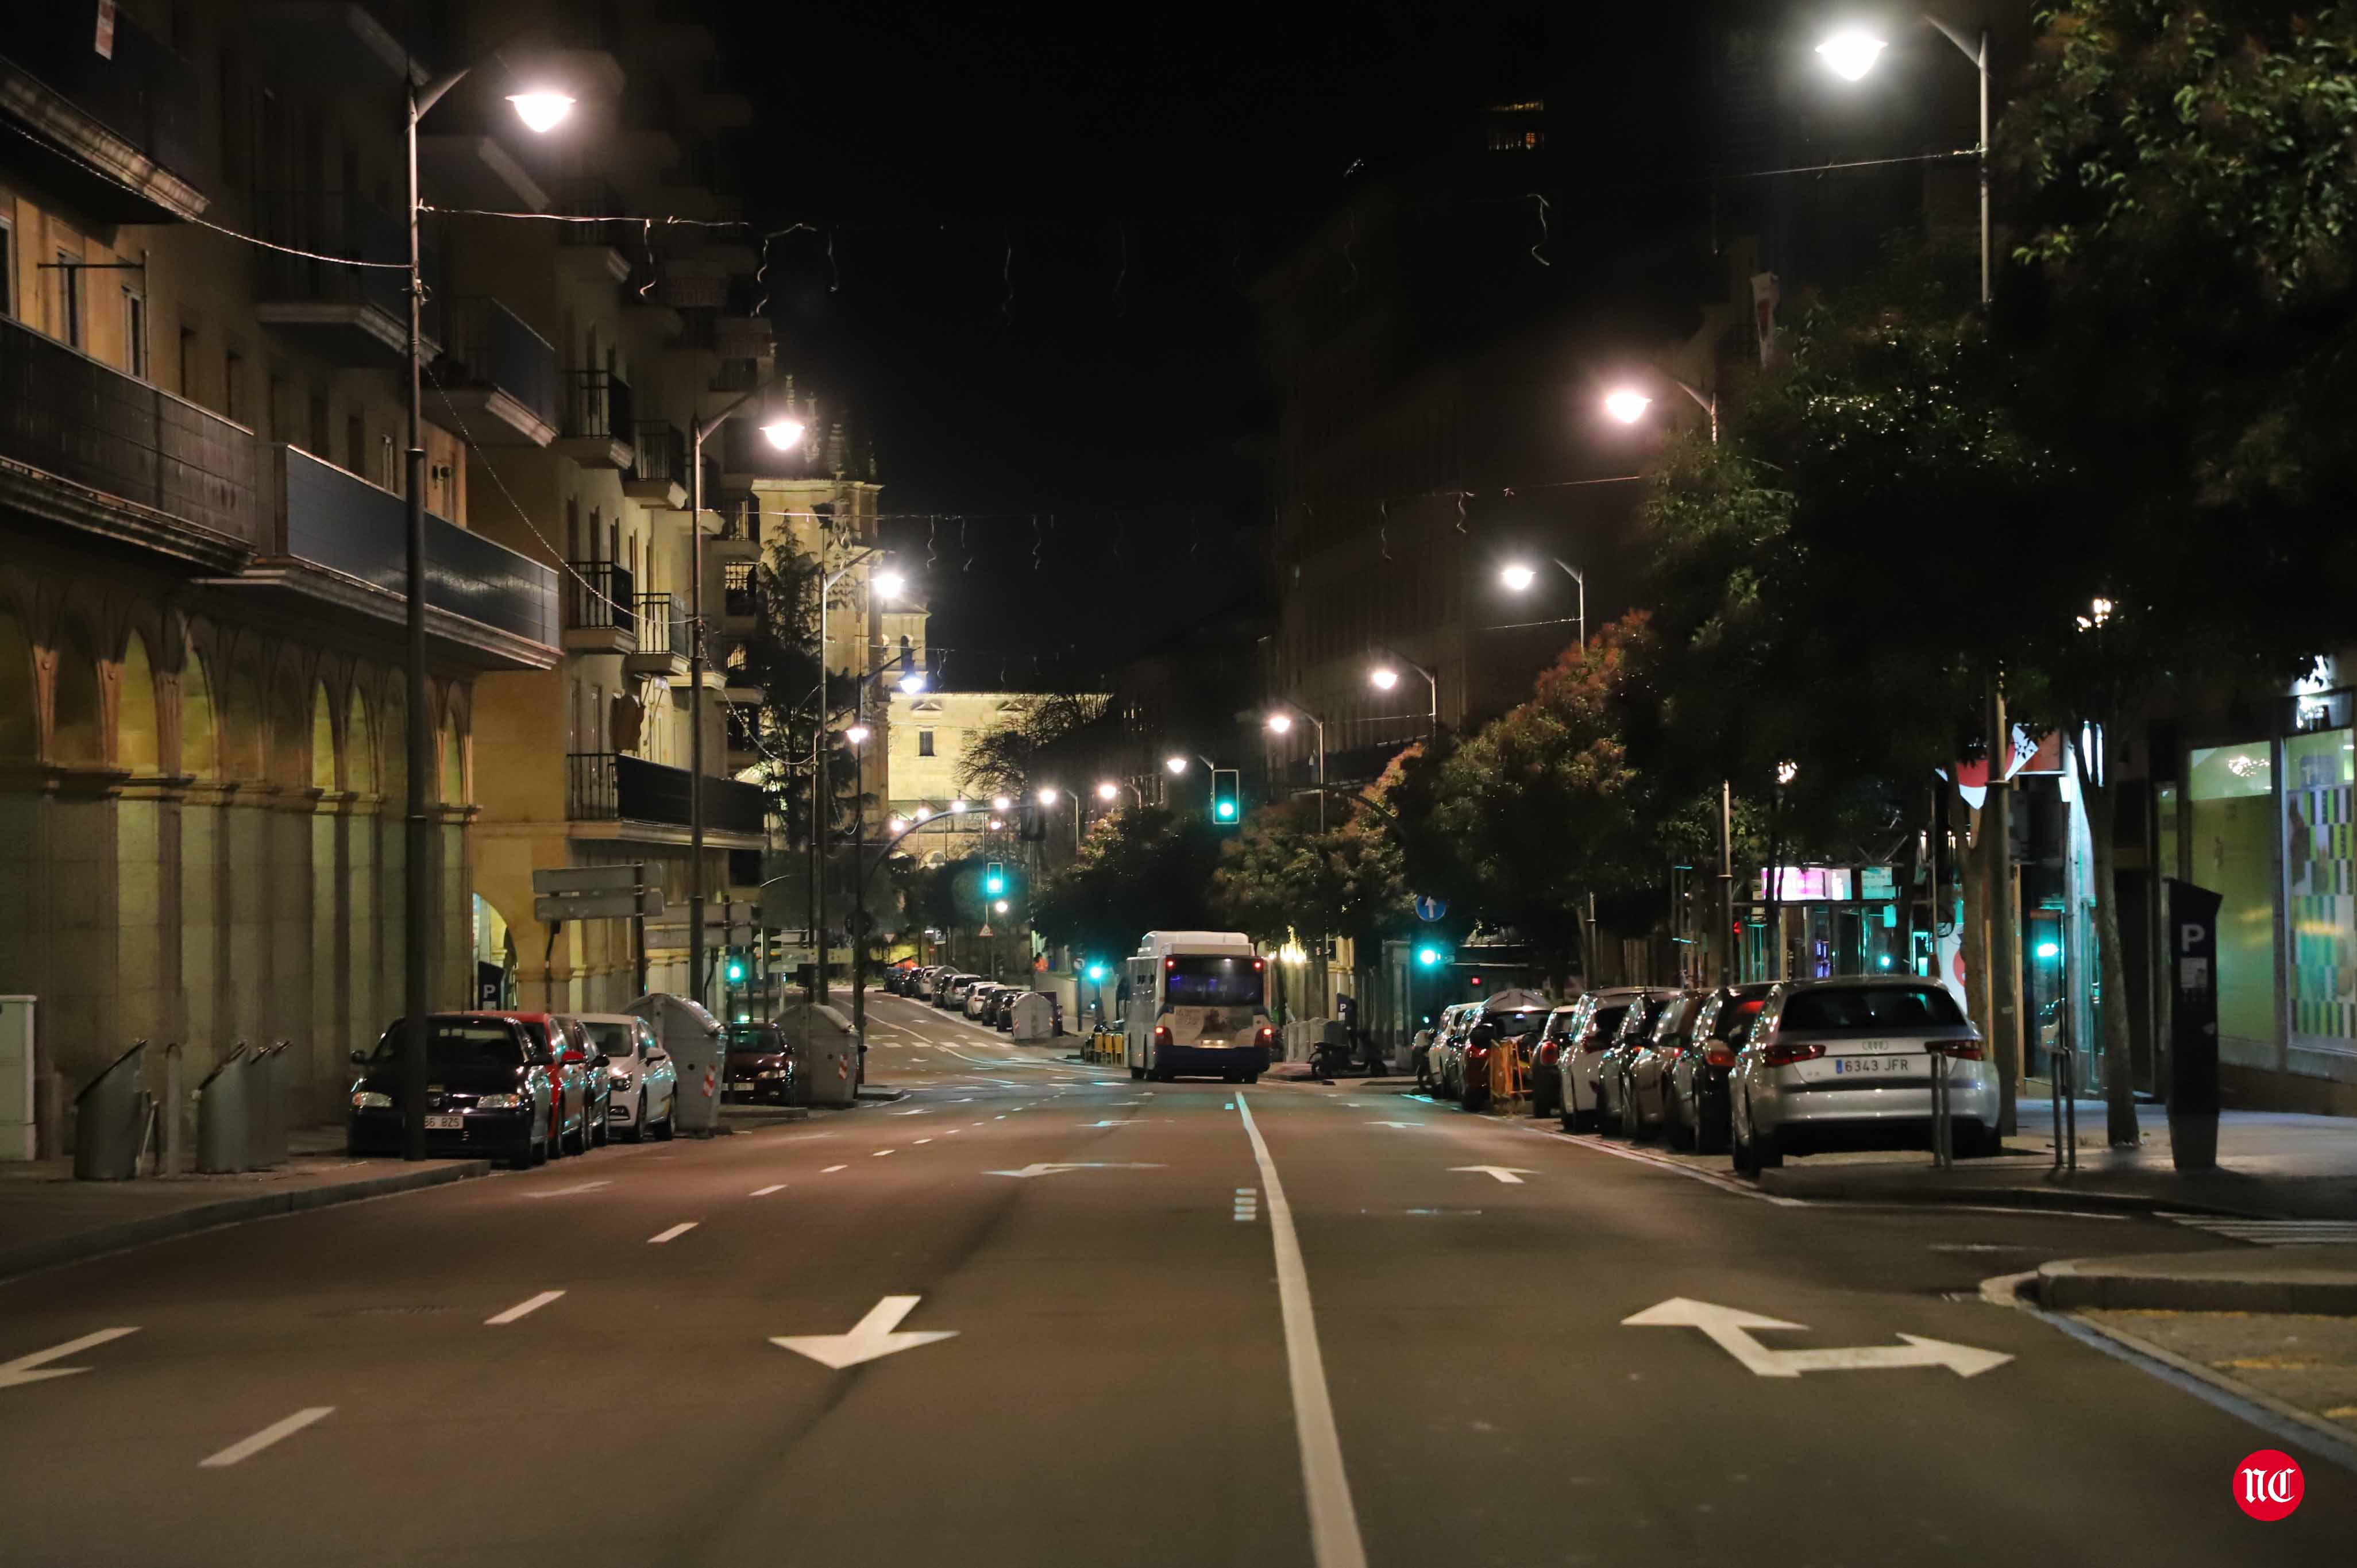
(1042, 221)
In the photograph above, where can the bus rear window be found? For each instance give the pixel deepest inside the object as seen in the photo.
(1199, 980)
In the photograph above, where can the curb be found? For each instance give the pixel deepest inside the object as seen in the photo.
(26, 1258)
(2075, 1284)
(2022, 1197)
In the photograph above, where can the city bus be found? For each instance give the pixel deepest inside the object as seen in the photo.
(1196, 1003)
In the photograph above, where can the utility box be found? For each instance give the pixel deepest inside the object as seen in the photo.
(691, 1036)
(16, 1101)
(1035, 1018)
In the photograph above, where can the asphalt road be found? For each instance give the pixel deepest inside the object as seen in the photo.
(1159, 1355)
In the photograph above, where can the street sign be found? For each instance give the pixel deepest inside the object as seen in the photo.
(1431, 909)
(598, 906)
(588, 879)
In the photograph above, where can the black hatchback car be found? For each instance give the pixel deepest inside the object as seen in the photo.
(487, 1091)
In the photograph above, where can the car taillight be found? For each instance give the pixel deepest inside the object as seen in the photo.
(1267, 1036)
(1958, 1050)
(1718, 1056)
(1783, 1055)
(1162, 1033)
(1548, 1052)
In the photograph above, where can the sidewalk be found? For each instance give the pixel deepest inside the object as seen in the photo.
(2269, 1164)
(48, 1217)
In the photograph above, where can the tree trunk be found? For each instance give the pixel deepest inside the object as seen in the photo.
(2119, 1087)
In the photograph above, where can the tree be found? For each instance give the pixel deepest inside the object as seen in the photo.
(1281, 878)
(1000, 760)
(1138, 870)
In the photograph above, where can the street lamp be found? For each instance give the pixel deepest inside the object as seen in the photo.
(1001, 803)
(1629, 405)
(856, 734)
(540, 110)
(1177, 765)
(912, 682)
(1851, 54)
(1384, 678)
(1280, 721)
(785, 435)
(1519, 576)
(1787, 771)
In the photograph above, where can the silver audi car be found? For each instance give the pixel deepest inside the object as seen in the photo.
(1849, 1064)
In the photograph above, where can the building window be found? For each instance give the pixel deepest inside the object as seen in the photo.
(924, 743)
(7, 266)
(317, 444)
(134, 333)
(356, 444)
(737, 588)
(189, 363)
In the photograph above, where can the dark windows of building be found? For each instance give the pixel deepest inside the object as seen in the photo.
(356, 444)
(189, 362)
(135, 332)
(924, 743)
(317, 443)
(69, 319)
(737, 588)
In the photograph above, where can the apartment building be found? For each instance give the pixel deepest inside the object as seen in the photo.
(202, 773)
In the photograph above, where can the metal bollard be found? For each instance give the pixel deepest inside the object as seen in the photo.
(220, 1115)
(111, 1120)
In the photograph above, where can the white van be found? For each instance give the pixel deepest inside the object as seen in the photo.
(1198, 1002)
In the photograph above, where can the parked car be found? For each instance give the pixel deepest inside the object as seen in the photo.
(1848, 1063)
(1645, 1065)
(1002, 1012)
(1517, 1018)
(1584, 1042)
(569, 1118)
(599, 1096)
(1441, 1059)
(760, 1064)
(1606, 1071)
(954, 990)
(978, 995)
(1696, 1104)
(488, 1090)
(642, 1083)
(1562, 1027)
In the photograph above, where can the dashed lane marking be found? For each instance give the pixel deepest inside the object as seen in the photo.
(832, 1169)
(523, 1309)
(238, 1453)
(766, 1191)
(674, 1234)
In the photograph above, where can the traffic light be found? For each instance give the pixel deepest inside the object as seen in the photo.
(994, 879)
(1227, 796)
(735, 970)
(1096, 972)
(1429, 957)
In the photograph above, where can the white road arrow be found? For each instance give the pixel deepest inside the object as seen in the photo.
(569, 1191)
(1033, 1170)
(1730, 1326)
(21, 1370)
(877, 1334)
(1511, 1174)
(1395, 1123)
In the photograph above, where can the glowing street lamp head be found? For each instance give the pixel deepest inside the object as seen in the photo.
(1050, 795)
(890, 584)
(1384, 676)
(1787, 771)
(1177, 764)
(1518, 576)
(1001, 803)
(913, 682)
(1850, 54)
(784, 433)
(1627, 406)
(923, 813)
(541, 111)
(856, 734)
(1001, 907)
(1280, 723)
(899, 824)
(1108, 791)
(957, 805)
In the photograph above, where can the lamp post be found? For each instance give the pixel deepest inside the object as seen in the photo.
(858, 735)
(1281, 723)
(540, 111)
(1628, 405)
(1384, 678)
(1048, 796)
(1519, 577)
(1850, 54)
(1178, 763)
(783, 434)
(1109, 790)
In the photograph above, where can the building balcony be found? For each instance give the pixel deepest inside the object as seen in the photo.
(661, 648)
(499, 377)
(616, 795)
(84, 446)
(335, 551)
(692, 291)
(357, 317)
(116, 133)
(598, 428)
(659, 471)
(600, 608)
(591, 253)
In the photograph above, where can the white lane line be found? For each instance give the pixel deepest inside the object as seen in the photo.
(1333, 1523)
(929, 1140)
(524, 1308)
(674, 1234)
(766, 1191)
(879, 1153)
(569, 1191)
(832, 1169)
(238, 1451)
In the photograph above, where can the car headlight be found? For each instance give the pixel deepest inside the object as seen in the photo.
(370, 1099)
(620, 1080)
(499, 1102)
(769, 1073)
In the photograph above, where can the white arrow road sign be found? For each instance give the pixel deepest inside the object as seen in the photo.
(1511, 1174)
(569, 1191)
(1395, 1123)
(1033, 1170)
(877, 1334)
(21, 1370)
(1729, 1327)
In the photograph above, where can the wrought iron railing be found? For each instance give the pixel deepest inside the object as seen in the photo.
(600, 597)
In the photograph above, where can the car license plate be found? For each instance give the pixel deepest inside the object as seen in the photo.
(1877, 1064)
(445, 1123)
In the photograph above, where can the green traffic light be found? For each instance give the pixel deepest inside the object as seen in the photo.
(1227, 810)
(1429, 957)
(1096, 972)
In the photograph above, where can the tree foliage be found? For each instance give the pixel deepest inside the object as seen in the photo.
(1000, 760)
(1138, 870)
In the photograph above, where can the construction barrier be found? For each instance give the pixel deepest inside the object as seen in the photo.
(1107, 1046)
